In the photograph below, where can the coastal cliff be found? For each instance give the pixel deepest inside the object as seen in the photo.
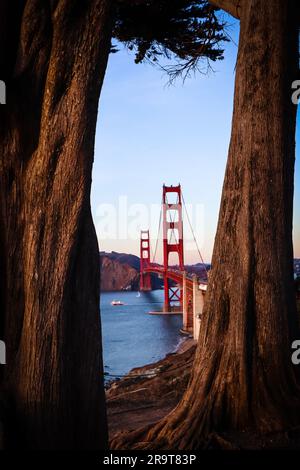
(116, 275)
(121, 271)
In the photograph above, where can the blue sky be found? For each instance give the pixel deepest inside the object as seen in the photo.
(149, 134)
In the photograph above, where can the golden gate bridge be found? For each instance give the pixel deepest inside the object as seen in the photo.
(183, 292)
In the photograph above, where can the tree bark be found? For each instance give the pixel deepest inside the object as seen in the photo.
(53, 380)
(243, 377)
(232, 7)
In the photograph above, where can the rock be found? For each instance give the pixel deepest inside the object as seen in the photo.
(117, 276)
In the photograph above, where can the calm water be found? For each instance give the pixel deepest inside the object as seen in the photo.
(132, 337)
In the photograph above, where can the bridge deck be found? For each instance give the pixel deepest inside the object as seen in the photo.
(176, 276)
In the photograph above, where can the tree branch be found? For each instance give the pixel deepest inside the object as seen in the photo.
(232, 7)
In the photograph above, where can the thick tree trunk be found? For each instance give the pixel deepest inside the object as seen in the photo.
(53, 380)
(243, 377)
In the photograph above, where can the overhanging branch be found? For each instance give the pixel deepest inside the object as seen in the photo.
(230, 6)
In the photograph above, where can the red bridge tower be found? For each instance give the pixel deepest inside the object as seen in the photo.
(172, 242)
(145, 279)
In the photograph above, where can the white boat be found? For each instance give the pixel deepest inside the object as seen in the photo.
(117, 302)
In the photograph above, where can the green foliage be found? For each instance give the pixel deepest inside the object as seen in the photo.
(186, 32)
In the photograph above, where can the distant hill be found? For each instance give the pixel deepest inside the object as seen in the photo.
(117, 276)
(121, 271)
(123, 258)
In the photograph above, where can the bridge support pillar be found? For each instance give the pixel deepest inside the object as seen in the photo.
(198, 303)
(187, 306)
(184, 303)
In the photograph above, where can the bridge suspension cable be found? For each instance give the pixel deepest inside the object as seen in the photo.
(194, 237)
(173, 235)
(158, 232)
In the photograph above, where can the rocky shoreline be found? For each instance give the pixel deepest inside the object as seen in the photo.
(149, 393)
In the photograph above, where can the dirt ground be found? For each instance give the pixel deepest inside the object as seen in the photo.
(150, 392)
